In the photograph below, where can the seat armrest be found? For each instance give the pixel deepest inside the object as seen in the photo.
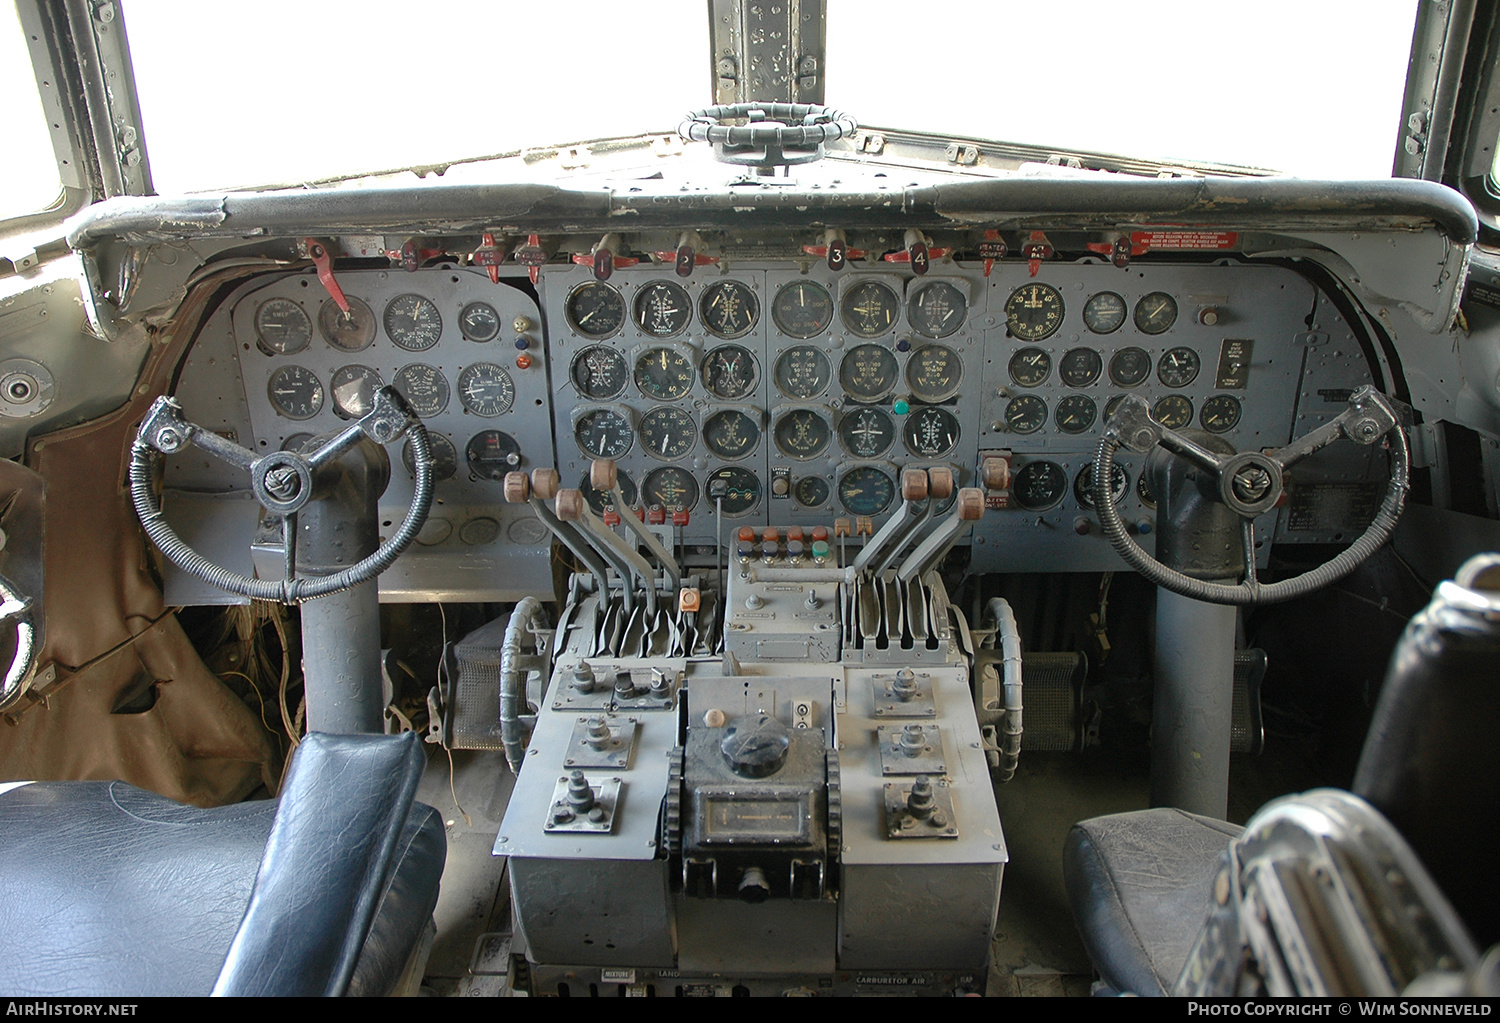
(327, 861)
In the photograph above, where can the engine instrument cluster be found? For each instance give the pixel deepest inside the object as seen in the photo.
(784, 394)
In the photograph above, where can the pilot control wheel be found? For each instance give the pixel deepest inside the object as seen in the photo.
(1251, 483)
(773, 135)
(283, 482)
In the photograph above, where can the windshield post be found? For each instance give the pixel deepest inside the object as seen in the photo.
(763, 53)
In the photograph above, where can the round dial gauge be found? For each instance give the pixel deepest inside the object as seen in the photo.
(601, 501)
(349, 332)
(413, 323)
(1220, 414)
(868, 372)
(595, 309)
(486, 389)
(729, 309)
(599, 372)
(282, 326)
(424, 388)
(668, 433)
(930, 432)
(1174, 412)
(802, 309)
(491, 454)
(1111, 405)
(933, 372)
(296, 441)
(1076, 413)
(603, 433)
(1104, 313)
(353, 389)
(810, 491)
(936, 309)
(1039, 485)
(1025, 413)
(866, 432)
(1155, 313)
(663, 308)
(444, 457)
(1030, 366)
(295, 392)
(479, 322)
(801, 434)
(869, 309)
(866, 490)
(1177, 367)
(730, 372)
(1080, 367)
(1034, 312)
(1129, 366)
(1144, 492)
(730, 434)
(671, 489)
(733, 490)
(663, 373)
(802, 372)
(1083, 484)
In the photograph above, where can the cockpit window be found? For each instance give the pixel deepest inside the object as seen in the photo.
(31, 182)
(1308, 89)
(287, 91)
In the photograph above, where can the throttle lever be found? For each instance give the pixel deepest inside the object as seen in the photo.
(931, 551)
(542, 485)
(605, 477)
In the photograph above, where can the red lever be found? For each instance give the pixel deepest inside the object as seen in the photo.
(602, 257)
(318, 252)
(657, 515)
(1036, 249)
(532, 256)
(1118, 250)
(410, 255)
(835, 248)
(679, 518)
(489, 256)
(992, 248)
(919, 252)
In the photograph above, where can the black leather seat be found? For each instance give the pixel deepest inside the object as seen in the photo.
(1140, 883)
(108, 890)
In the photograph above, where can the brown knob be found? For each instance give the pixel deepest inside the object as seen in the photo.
(517, 487)
(996, 473)
(544, 483)
(940, 482)
(970, 504)
(570, 505)
(603, 474)
(913, 485)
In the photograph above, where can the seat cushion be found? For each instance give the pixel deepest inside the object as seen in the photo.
(1140, 886)
(93, 882)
